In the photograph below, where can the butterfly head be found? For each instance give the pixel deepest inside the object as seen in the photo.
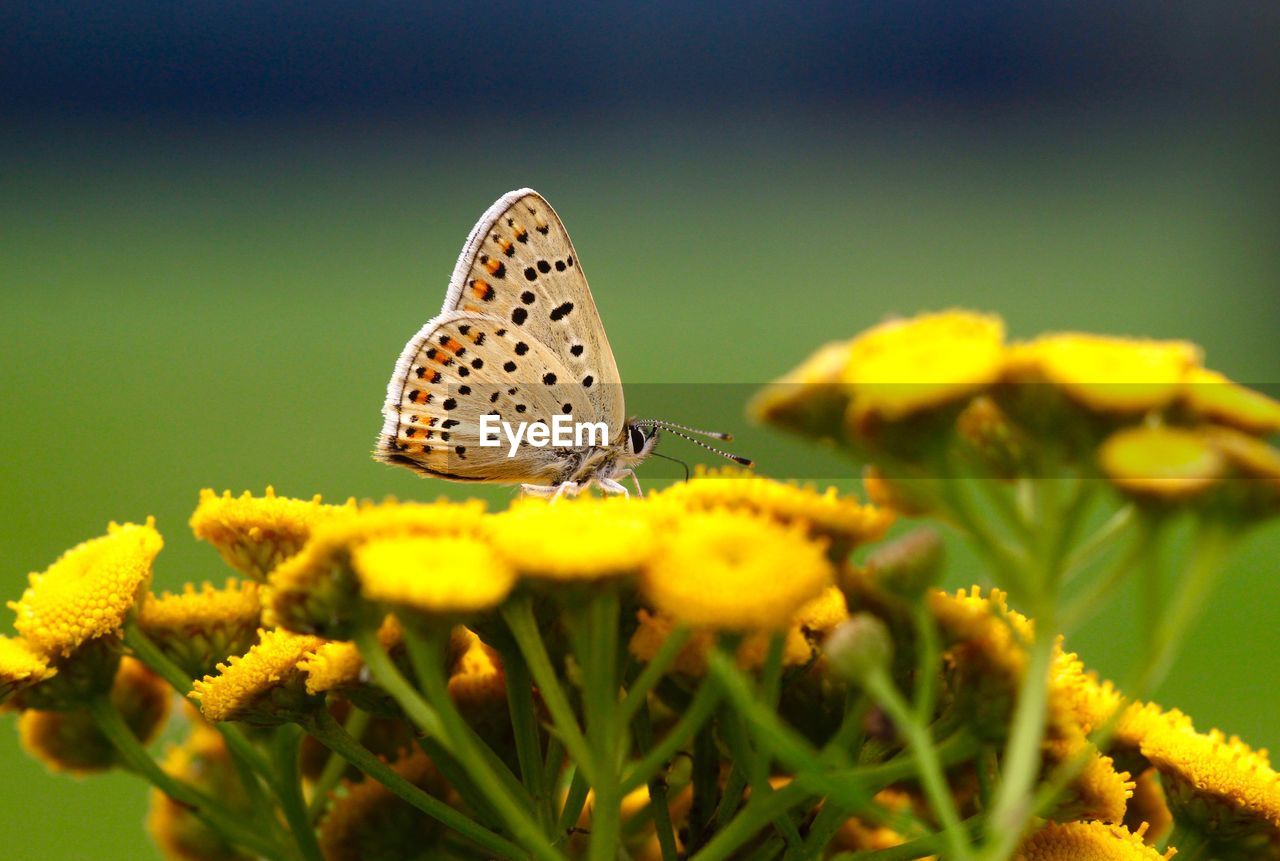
(642, 437)
(641, 440)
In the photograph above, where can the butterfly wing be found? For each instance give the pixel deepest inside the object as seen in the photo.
(520, 266)
(460, 367)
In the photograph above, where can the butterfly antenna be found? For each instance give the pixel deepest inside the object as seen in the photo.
(673, 460)
(672, 426)
(741, 461)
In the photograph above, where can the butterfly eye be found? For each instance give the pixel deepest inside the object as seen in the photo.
(637, 439)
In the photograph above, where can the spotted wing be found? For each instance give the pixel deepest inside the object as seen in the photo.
(520, 266)
(460, 367)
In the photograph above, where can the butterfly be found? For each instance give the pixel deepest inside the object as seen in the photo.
(518, 345)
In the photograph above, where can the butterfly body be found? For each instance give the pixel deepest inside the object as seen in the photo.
(518, 340)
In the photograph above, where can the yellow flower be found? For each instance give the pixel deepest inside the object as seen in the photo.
(203, 760)
(70, 741)
(1098, 790)
(316, 591)
(1084, 699)
(1103, 373)
(1161, 463)
(1209, 394)
(478, 687)
(654, 629)
(89, 591)
(369, 823)
(843, 520)
(264, 686)
(437, 575)
(337, 665)
(586, 538)
(199, 628)
(1087, 841)
(735, 570)
(904, 367)
(1218, 783)
(809, 399)
(808, 628)
(20, 667)
(856, 835)
(255, 534)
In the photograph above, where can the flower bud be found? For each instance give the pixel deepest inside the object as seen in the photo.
(908, 566)
(859, 647)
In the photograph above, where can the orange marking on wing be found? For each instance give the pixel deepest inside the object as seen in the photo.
(472, 309)
(521, 233)
(494, 266)
(481, 288)
(506, 246)
(451, 345)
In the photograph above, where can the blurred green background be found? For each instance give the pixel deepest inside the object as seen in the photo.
(210, 299)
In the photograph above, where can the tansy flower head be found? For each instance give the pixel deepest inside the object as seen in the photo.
(904, 367)
(734, 570)
(1255, 467)
(337, 665)
(1219, 784)
(199, 628)
(1160, 464)
(1086, 701)
(1106, 374)
(441, 576)
(1098, 790)
(986, 648)
(70, 741)
(254, 534)
(265, 686)
(317, 591)
(810, 399)
(804, 635)
(478, 686)
(20, 667)
(1210, 395)
(370, 823)
(580, 539)
(1087, 841)
(89, 591)
(842, 520)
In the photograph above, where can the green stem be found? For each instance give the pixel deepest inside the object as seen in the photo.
(573, 804)
(285, 749)
(518, 613)
(657, 789)
(145, 650)
(427, 654)
(1096, 544)
(330, 733)
(695, 716)
(756, 815)
(335, 765)
(638, 691)
(932, 777)
(112, 725)
(596, 650)
(389, 677)
(524, 724)
(1011, 806)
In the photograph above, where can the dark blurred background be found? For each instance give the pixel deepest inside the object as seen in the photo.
(220, 222)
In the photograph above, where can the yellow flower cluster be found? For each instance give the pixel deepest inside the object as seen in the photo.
(265, 685)
(89, 591)
(255, 534)
(198, 628)
(1160, 425)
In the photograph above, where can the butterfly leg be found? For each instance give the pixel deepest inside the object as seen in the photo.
(570, 488)
(609, 485)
